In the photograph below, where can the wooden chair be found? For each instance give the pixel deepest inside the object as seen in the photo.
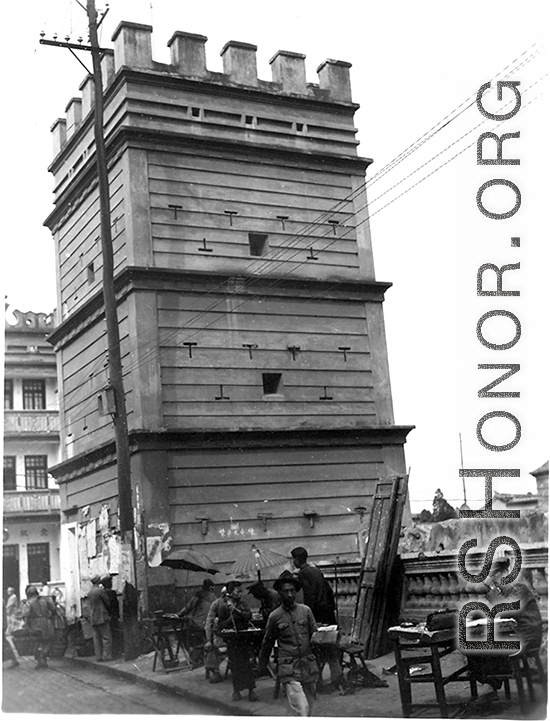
(519, 669)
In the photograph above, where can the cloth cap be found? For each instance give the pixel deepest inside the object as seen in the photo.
(287, 577)
(95, 579)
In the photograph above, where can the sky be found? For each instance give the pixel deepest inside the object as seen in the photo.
(416, 70)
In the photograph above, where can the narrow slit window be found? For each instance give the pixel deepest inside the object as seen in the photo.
(258, 244)
(91, 273)
(299, 127)
(196, 112)
(273, 383)
(249, 120)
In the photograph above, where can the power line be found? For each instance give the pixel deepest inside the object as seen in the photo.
(144, 358)
(312, 225)
(282, 249)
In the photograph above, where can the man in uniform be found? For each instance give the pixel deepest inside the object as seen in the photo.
(292, 625)
(319, 597)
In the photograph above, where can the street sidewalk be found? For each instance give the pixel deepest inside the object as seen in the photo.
(366, 702)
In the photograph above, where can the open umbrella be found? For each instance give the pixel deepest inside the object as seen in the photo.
(255, 560)
(190, 560)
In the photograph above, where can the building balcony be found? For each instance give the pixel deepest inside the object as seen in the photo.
(37, 503)
(31, 423)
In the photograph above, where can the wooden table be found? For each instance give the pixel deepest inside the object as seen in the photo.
(414, 646)
(169, 634)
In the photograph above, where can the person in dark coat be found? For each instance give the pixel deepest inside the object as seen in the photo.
(114, 613)
(39, 612)
(319, 597)
(269, 598)
(234, 614)
(100, 618)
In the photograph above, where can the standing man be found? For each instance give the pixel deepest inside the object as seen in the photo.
(292, 625)
(234, 615)
(117, 646)
(212, 659)
(100, 620)
(319, 597)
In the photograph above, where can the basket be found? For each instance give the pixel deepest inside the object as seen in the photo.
(59, 643)
(26, 641)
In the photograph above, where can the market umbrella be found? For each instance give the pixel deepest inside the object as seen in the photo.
(190, 560)
(257, 559)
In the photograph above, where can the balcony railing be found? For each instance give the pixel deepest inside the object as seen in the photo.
(16, 422)
(17, 502)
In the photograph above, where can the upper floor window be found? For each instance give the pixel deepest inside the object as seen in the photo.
(34, 393)
(10, 479)
(8, 393)
(36, 472)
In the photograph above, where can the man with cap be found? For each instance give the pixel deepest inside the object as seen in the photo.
(114, 616)
(213, 659)
(269, 598)
(195, 612)
(196, 609)
(319, 597)
(528, 619)
(292, 625)
(100, 619)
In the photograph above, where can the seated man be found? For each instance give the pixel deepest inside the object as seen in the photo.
(484, 667)
(196, 612)
(196, 609)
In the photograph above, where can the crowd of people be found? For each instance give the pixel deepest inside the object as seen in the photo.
(280, 621)
(284, 622)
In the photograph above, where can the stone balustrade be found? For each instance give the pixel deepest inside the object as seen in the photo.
(432, 582)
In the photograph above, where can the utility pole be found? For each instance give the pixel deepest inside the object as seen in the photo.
(120, 420)
(122, 445)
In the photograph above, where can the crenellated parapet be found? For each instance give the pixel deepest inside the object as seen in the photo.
(132, 50)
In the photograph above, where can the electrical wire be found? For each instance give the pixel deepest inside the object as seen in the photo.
(301, 236)
(145, 358)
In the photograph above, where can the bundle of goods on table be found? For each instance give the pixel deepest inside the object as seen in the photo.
(474, 628)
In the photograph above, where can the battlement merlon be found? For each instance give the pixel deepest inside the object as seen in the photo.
(132, 48)
(133, 52)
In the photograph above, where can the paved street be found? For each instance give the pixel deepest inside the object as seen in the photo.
(70, 688)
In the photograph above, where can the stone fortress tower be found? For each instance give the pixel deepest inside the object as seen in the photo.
(252, 331)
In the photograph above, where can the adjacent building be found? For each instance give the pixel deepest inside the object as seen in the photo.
(31, 445)
(252, 331)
